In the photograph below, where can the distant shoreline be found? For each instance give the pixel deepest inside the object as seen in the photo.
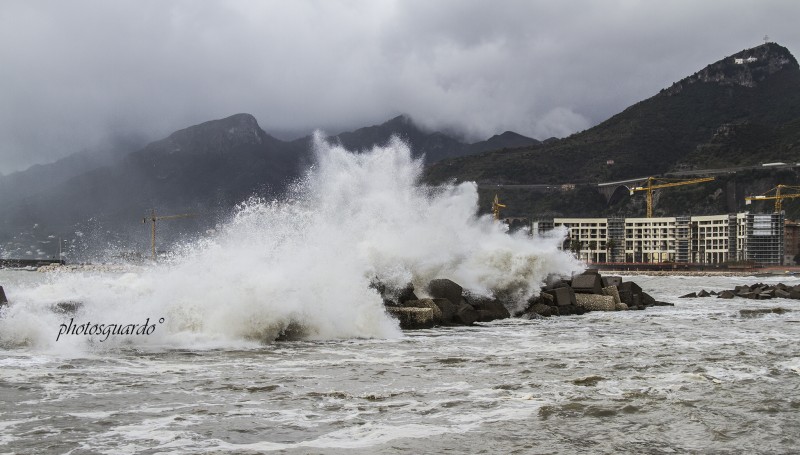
(678, 273)
(762, 273)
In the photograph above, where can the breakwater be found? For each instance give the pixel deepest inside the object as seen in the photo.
(445, 302)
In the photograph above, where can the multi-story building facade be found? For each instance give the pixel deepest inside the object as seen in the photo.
(791, 242)
(708, 239)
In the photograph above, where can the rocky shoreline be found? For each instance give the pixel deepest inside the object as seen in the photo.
(449, 304)
(757, 291)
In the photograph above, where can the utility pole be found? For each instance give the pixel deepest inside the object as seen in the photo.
(152, 219)
(60, 249)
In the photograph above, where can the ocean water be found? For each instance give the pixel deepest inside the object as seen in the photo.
(694, 378)
(183, 357)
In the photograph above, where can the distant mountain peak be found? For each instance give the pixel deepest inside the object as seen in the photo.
(505, 140)
(213, 136)
(401, 119)
(746, 68)
(508, 135)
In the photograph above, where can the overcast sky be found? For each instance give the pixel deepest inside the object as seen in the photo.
(76, 74)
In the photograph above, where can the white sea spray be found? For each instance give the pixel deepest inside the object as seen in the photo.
(301, 267)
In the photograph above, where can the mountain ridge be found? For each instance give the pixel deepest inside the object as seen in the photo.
(206, 168)
(727, 112)
(650, 137)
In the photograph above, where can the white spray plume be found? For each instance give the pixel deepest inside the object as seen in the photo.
(302, 266)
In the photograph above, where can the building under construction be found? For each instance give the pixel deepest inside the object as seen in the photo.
(757, 239)
(709, 239)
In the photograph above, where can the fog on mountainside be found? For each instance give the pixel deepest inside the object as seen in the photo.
(741, 110)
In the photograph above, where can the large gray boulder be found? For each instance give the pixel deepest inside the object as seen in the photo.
(488, 309)
(781, 294)
(612, 281)
(587, 284)
(67, 307)
(541, 309)
(447, 308)
(465, 314)
(406, 294)
(630, 293)
(562, 296)
(647, 299)
(726, 295)
(442, 288)
(747, 313)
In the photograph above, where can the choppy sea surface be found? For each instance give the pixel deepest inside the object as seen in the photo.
(698, 377)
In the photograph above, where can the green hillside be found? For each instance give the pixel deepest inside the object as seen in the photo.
(727, 114)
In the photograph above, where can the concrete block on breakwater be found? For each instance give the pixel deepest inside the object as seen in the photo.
(413, 318)
(595, 302)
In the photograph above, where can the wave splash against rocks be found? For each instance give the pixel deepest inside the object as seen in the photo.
(301, 267)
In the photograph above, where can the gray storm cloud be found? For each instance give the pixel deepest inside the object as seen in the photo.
(77, 74)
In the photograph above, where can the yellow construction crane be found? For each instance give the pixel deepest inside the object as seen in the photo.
(153, 218)
(657, 184)
(496, 206)
(778, 197)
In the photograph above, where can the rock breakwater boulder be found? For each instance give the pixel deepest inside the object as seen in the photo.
(449, 304)
(562, 296)
(437, 315)
(447, 308)
(412, 318)
(465, 315)
(587, 283)
(443, 288)
(594, 302)
(756, 291)
(488, 309)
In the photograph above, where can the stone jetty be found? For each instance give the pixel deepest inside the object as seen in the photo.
(757, 291)
(446, 302)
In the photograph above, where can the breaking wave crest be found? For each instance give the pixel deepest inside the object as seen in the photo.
(301, 267)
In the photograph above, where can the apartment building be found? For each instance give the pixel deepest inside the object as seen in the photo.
(791, 242)
(708, 239)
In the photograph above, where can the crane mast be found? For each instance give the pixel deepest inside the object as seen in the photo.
(152, 219)
(778, 197)
(657, 184)
(496, 206)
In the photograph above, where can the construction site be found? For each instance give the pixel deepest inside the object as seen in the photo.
(731, 240)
